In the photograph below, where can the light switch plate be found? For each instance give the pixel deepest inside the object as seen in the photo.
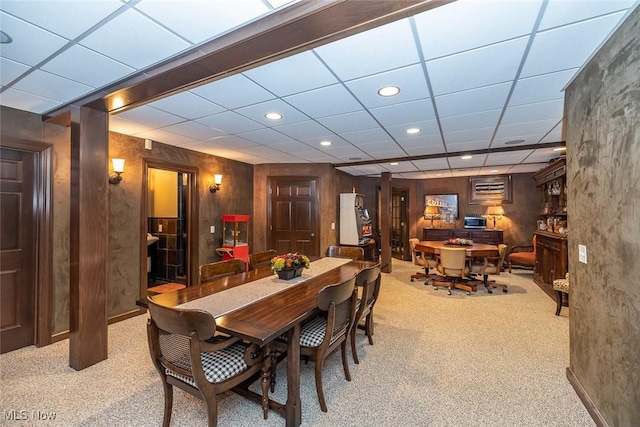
(213, 229)
(582, 254)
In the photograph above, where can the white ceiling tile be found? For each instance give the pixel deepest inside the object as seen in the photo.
(567, 47)
(465, 147)
(380, 49)
(423, 141)
(187, 105)
(389, 152)
(257, 113)
(369, 169)
(372, 147)
(476, 161)
(465, 25)
(326, 101)
(31, 45)
(302, 130)
(231, 141)
(335, 140)
(195, 130)
(410, 80)
(506, 158)
(528, 128)
(401, 167)
(465, 172)
(295, 74)
(349, 122)
(233, 92)
(67, 18)
(367, 136)
(554, 136)
(427, 128)
(150, 116)
(421, 150)
(27, 101)
(96, 70)
(166, 137)
(442, 173)
(315, 156)
(230, 122)
(431, 164)
(526, 140)
(543, 155)
(475, 68)
(545, 87)
(265, 136)
(187, 17)
(51, 86)
(405, 113)
(127, 127)
(10, 70)
(473, 100)
(534, 112)
(483, 134)
(291, 146)
(562, 12)
(153, 43)
(527, 168)
(483, 119)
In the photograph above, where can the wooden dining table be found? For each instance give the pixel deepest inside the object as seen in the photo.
(263, 320)
(474, 250)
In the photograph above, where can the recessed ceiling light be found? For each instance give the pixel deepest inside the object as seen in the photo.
(467, 157)
(273, 116)
(394, 163)
(413, 131)
(514, 142)
(438, 174)
(355, 158)
(325, 143)
(5, 38)
(560, 149)
(389, 91)
(494, 171)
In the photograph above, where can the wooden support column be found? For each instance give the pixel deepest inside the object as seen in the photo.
(385, 221)
(89, 237)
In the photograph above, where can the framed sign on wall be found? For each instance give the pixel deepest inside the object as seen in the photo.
(446, 203)
(489, 190)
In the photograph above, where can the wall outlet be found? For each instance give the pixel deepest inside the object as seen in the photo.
(333, 225)
(159, 228)
(582, 254)
(213, 229)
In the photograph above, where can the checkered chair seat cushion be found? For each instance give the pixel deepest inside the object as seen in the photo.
(218, 366)
(312, 333)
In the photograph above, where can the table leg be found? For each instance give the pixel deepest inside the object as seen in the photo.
(293, 409)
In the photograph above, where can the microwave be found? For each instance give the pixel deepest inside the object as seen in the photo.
(475, 222)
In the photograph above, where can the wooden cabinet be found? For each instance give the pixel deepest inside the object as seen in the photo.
(491, 237)
(552, 183)
(551, 260)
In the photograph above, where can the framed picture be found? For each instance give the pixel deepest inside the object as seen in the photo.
(488, 190)
(446, 203)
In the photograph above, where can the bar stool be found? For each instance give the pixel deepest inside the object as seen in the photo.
(561, 286)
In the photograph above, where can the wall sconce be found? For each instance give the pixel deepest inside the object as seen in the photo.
(118, 169)
(217, 181)
(494, 212)
(431, 212)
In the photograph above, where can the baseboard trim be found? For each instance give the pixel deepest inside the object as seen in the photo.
(586, 400)
(60, 336)
(127, 315)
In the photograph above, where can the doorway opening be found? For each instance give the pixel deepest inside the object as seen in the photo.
(399, 232)
(169, 225)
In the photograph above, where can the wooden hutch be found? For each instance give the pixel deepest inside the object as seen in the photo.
(551, 234)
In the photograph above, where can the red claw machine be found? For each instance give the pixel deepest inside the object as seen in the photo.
(235, 238)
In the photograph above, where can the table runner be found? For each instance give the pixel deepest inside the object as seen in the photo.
(232, 299)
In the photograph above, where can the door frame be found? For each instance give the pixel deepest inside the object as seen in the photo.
(404, 237)
(193, 215)
(43, 195)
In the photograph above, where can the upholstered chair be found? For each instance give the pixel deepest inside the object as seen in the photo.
(452, 263)
(490, 265)
(421, 259)
(561, 286)
(523, 255)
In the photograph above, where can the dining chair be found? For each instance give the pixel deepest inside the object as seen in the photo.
(369, 281)
(561, 287)
(490, 265)
(421, 259)
(452, 263)
(261, 259)
(186, 355)
(218, 269)
(523, 255)
(324, 333)
(353, 252)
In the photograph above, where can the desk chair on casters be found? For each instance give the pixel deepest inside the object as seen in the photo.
(453, 265)
(421, 259)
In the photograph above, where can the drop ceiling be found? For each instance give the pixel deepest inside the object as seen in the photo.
(478, 77)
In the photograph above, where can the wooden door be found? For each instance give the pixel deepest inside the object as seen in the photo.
(294, 216)
(399, 232)
(17, 250)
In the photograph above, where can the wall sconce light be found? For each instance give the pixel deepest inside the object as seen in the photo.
(118, 169)
(431, 212)
(217, 181)
(494, 212)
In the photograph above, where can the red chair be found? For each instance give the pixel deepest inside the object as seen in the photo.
(523, 255)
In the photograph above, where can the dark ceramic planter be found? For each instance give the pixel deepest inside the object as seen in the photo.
(290, 274)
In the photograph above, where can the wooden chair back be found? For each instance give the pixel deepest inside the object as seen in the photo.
(339, 301)
(420, 259)
(218, 269)
(369, 279)
(261, 259)
(353, 252)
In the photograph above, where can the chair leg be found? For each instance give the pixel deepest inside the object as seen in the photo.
(509, 266)
(354, 352)
(369, 326)
(168, 403)
(212, 409)
(485, 279)
(558, 302)
(319, 363)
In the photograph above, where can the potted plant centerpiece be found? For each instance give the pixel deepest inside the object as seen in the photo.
(289, 265)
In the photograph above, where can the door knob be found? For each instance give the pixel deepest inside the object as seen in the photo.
(313, 235)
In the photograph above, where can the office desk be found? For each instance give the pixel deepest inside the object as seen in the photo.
(262, 321)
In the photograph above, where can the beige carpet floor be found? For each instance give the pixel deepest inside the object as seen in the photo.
(438, 360)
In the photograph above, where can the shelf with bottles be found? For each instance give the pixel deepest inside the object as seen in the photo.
(552, 182)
